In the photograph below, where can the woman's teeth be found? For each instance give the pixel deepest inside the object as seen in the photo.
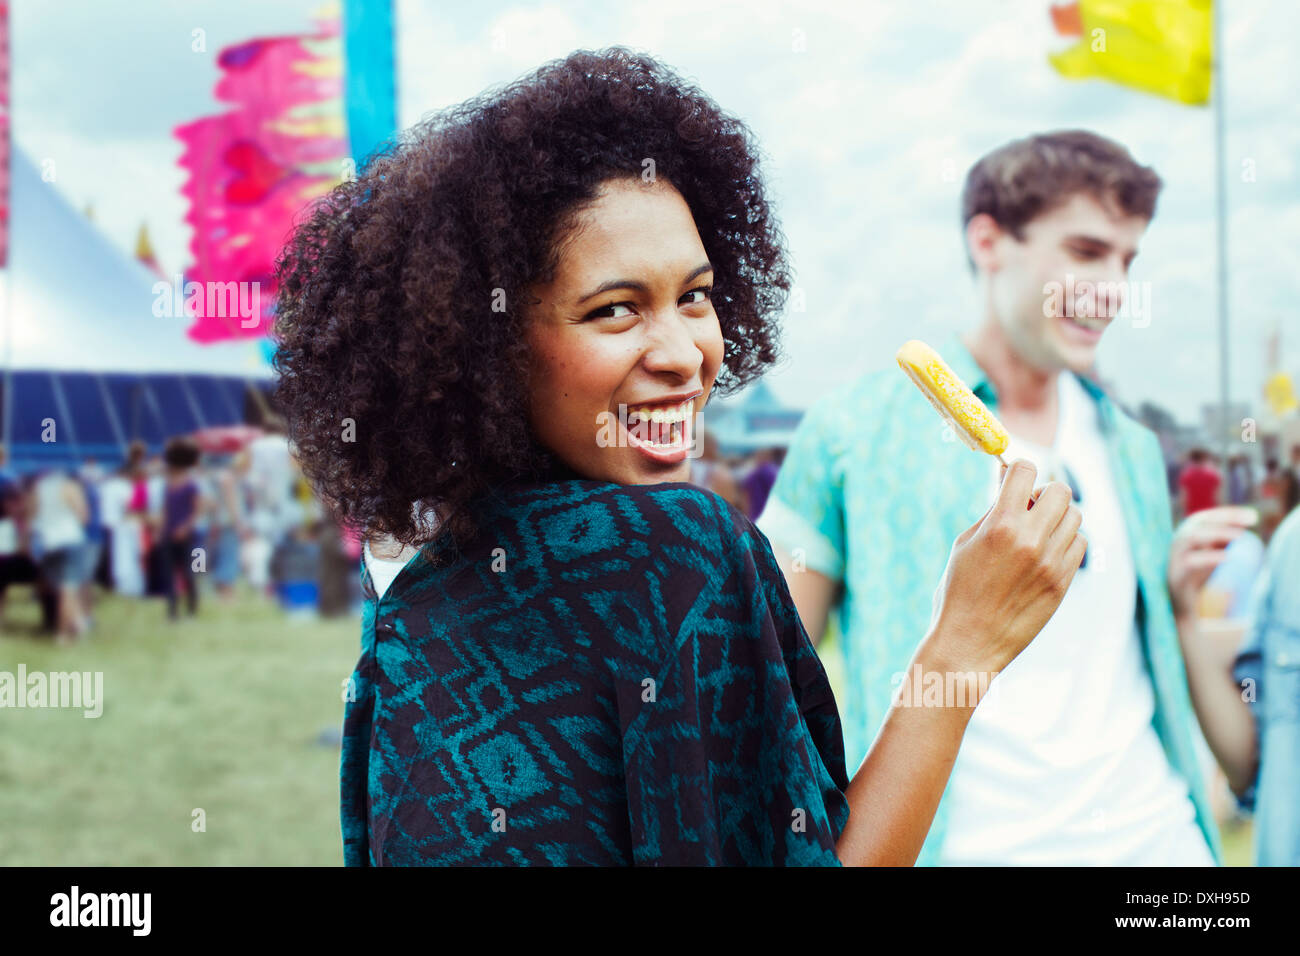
(659, 424)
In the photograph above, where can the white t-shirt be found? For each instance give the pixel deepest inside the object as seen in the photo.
(55, 521)
(114, 496)
(270, 480)
(1060, 763)
(383, 571)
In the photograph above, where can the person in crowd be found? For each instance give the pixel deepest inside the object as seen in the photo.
(620, 641)
(709, 470)
(204, 476)
(1278, 493)
(8, 479)
(16, 565)
(229, 524)
(1088, 752)
(59, 512)
(141, 514)
(158, 577)
(90, 476)
(1199, 483)
(183, 506)
(759, 478)
(121, 536)
(1291, 485)
(353, 545)
(272, 508)
(337, 569)
(1241, 481)
(1248, 700)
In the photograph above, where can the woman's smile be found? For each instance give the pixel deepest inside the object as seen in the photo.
(662, 431)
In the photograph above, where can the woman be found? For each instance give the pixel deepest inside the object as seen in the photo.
(494, 346)
(126, 512)
(16, 564)
(229, 524)
(59, 514)
(182, 507)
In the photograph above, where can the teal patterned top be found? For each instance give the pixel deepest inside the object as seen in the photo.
(607, 675)
(873, 493)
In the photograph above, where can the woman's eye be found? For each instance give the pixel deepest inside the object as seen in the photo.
(704, 292)
(611, 311)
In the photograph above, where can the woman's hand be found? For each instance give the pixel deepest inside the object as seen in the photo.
(1005, 578)
(1006, 575)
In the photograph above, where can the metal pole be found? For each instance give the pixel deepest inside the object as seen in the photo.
(1218, 103)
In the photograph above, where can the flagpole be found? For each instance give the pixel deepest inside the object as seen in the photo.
(1221, 213)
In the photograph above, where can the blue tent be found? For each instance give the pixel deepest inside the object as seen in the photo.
(89, 365)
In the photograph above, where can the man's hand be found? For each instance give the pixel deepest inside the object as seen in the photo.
(1198, 548)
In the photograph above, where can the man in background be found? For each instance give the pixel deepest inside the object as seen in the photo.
(1085, 751)
(1198, 483)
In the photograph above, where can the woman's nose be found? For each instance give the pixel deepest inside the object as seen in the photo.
(672, 348)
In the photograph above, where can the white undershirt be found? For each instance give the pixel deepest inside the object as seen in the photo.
(383, 571)
(1060, 763)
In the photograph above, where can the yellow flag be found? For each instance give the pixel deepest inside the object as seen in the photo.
(1280, 393)
(1159, 46)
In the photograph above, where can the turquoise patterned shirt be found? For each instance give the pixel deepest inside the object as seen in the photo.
(873, 492)
(604, 675)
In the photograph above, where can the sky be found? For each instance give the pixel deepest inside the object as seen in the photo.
(868, 115)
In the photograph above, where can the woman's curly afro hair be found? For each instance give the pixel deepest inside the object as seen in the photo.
(402, 365)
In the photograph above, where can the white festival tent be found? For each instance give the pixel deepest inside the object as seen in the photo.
(83, 349)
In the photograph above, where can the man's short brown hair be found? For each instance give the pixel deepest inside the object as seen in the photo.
(1031, 176)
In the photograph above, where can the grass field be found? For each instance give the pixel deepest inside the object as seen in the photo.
(224, 713)
(221, 713)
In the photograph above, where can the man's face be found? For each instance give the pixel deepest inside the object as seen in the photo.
(1057, 289)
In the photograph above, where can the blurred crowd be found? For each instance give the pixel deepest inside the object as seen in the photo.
(1202, 480)
(173, 525)
(743, 481)
(170, 526)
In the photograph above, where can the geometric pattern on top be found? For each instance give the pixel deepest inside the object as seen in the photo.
(608, 675)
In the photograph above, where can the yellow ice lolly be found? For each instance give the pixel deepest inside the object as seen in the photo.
(960, 407)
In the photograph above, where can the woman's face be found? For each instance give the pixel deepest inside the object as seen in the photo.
(625, 342)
